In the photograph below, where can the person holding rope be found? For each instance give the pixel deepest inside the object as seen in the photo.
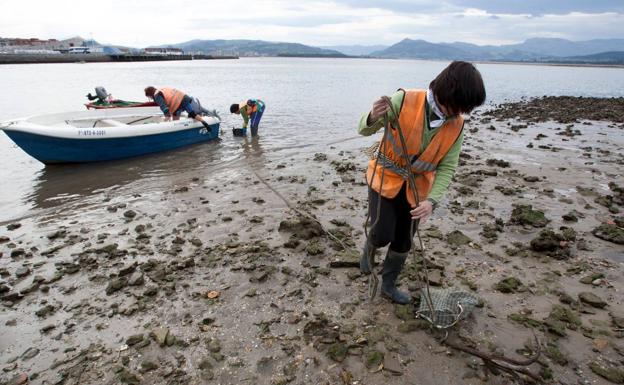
(417, 158)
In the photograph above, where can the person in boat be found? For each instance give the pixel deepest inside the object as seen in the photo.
(251, 111)
(173, 102)
(432, 128)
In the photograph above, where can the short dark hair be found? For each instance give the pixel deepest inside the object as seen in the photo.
(459, 87)
(150, 91)
(234, 108)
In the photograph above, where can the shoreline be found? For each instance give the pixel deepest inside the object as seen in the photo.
(97, 58)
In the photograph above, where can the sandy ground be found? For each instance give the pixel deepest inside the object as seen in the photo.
(213, 280)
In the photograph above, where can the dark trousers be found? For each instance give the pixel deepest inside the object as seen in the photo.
(255, 122)
(395, 222)
(186, 106)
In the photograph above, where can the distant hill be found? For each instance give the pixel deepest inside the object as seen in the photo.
(562, 47)
(533, 50)
(356, 50)
(613, 57)
(422, 49)
(252, 48)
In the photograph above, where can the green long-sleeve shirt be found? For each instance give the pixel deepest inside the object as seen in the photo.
(448, 164)
(244, 114)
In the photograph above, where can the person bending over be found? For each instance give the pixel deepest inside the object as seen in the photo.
(173, 102)
(251, 110)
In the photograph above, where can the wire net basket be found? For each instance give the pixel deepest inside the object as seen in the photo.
(449, 306)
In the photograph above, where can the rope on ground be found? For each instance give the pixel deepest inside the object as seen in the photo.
(504, 364)
(300, 212)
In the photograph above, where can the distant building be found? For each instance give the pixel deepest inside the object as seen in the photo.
(35, 51)
(30, 42)
(74, 45)
(15, 45)
(163, 51)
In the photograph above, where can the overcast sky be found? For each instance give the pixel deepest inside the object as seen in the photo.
(149, 22)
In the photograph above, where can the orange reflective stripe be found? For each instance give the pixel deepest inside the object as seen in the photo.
(173, 98)
(250, 109)
(412, 122)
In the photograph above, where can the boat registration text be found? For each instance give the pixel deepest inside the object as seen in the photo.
(91, 132)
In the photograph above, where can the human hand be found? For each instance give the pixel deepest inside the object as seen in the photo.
(423, 211)
(380, 108)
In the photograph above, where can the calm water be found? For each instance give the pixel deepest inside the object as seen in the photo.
(310, 103)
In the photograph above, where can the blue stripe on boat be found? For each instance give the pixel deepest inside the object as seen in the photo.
(48, 149)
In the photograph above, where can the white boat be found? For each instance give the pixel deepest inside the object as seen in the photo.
(105, 134)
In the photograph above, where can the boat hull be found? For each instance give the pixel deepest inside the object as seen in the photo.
(54, 150)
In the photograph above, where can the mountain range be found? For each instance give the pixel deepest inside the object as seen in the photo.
(531, 50)
(550, 50)
(253, 48)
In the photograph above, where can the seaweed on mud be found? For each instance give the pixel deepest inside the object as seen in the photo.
(525, 215)
(553, 244)
(510, 285)
(610, 232)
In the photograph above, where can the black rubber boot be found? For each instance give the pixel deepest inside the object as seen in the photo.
(393, 264)
(365, 268)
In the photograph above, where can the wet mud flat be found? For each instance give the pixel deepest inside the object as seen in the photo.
(215, 280)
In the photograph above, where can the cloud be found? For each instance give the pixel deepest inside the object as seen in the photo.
(399, 6)
(532, 7)
(542, 7)
(141, 23)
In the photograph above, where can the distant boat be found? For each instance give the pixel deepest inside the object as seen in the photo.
(102, 99)
(118, 103)
(105, 134)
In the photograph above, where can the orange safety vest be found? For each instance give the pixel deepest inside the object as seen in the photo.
(250, 109)
(173, 98)
(423, 165)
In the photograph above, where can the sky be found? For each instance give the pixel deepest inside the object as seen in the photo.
(141, 23)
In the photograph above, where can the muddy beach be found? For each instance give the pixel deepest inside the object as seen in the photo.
(213, 279)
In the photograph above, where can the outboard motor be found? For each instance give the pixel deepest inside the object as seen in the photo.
(100, 94)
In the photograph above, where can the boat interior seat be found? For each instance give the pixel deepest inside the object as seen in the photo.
(108, 123)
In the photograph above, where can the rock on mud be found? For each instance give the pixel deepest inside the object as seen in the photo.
(592, 300)
(129, 214)
(615, 375)
(510, 285)
(22, 272)
(611, 233)
(116, 284)
(303, 228)
(456, 239)
(525, 215)
(553, 244)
